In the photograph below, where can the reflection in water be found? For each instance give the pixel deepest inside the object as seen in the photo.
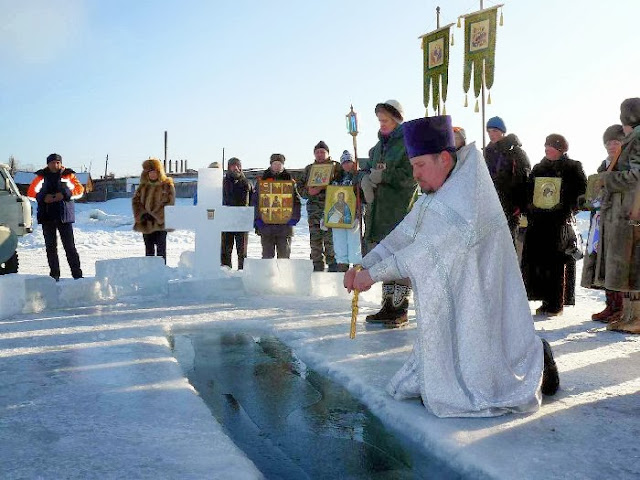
(290, 421)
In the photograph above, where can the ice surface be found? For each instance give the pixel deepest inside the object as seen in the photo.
(41, 293)
(325, 284)
(206, 288)
(133, 276)
(277, 276)
(12, 294)
(94, 390)
(81, 292)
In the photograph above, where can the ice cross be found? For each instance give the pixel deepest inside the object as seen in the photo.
(209, 218)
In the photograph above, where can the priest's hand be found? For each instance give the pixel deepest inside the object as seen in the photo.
(362, 281)
(349, 277)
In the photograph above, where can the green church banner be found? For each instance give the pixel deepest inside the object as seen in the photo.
(479, 48)
(435, 50)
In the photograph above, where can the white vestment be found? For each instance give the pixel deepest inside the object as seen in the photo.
(476, 352)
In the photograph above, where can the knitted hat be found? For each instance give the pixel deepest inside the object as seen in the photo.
(54, 157)
(428, 135)
(234, 161)
(322, 145)
(614, 132)
(497, 123)
(558, 142)
(460, 131)
(630, 112)
(393, 108)
(276, 157)
(345, 157)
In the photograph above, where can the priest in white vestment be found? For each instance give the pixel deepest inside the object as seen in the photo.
(476, 353)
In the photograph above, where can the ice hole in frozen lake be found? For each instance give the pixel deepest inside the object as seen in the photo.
(290, 421)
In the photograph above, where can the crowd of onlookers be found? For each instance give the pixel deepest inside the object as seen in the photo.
(539, 203)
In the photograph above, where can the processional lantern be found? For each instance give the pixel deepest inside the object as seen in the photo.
(352, 122)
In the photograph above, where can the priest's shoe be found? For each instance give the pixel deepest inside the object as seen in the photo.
(550, 376)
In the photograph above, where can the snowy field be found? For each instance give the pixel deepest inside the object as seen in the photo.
(94, 391)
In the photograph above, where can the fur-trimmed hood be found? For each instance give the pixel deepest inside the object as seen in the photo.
(154, 164)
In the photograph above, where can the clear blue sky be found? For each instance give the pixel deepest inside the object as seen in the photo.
(91, 78)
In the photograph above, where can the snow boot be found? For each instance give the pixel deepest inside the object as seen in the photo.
(550, 376)
(318, 266)
(343, 267)
(609, 310)
(632, 323)
(387, 305)
(400, 306)
(333, 267)
(623, 316)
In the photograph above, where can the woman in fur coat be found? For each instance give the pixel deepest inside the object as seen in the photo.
(619, 262)
(155, 191)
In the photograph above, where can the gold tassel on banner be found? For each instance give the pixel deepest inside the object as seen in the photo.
(477, 109)
(466, 103)
(501, 20)
(452, 39)
(489, 99)
(459, 25)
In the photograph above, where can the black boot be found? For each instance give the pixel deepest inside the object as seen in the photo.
(550, 376)
(343, 267)
(399, 306)
(318, 266)
(387, 305)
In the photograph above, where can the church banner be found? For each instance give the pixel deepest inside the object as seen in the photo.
(479, 48)
(435, 51)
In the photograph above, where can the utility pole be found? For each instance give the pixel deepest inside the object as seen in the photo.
(165, 150)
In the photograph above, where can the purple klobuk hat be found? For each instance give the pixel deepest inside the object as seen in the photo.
(428, 135)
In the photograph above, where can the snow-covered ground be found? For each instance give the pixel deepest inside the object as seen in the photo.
(90, 392)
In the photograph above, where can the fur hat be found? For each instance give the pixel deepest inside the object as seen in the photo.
(393, 108)
(276, 157)
(497, 123)
(630, 112)
(558, 142)
(214, 165)
(54, 157)
(322, 145)
(234, 161)
(153, 164)
(345, 157)
(614, 132)
(428, 135)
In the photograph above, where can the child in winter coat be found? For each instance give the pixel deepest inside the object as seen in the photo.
(346, 241)
(155, 191)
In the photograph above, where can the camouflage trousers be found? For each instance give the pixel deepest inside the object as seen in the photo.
(321, 242)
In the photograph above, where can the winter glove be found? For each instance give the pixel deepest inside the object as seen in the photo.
(259, 223)
(376, 175)
(322, 226)
(146, 217)
(292, 222)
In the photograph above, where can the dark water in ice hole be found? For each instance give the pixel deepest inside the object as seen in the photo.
(290, 421)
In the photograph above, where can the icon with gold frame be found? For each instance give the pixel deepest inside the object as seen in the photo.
(592, 193)
(275, 200)
(546, 192)
(320, 174)
(340, 206)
